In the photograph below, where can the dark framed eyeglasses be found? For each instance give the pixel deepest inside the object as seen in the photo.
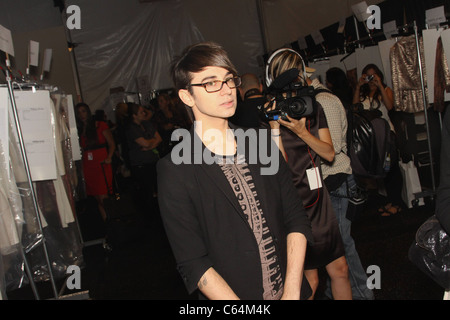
(216, 85)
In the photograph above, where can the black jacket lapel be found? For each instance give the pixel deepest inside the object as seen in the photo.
(213, 171)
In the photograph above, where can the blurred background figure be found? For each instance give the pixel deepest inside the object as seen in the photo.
(98, 146)
(251, 93)
(143, 140)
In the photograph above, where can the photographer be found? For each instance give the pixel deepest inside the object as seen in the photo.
(374, 94)
(305, 141)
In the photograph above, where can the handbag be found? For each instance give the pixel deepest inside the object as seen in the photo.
(411, 184)
(430, 252)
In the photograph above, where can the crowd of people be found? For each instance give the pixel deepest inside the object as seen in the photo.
(129, 146)
(213, 213)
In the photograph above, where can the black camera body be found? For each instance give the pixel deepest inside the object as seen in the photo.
(292, 98)
(369, 78)
(298, 106)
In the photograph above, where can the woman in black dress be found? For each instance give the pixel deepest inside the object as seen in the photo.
(305, 143)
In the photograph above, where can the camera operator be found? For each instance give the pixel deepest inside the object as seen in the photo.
(305, 141)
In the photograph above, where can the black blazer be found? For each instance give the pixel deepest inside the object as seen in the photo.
(207, 228)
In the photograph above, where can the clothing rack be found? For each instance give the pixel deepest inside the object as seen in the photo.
(41, 242)
(425, 103)
(405, 30)
(33, 194)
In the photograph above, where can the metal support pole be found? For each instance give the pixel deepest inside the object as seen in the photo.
(357, 30)
(73, 58)
(425, 104)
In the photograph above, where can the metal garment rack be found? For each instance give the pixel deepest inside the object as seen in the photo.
(432, 192)
(33, 192)
(42, 242)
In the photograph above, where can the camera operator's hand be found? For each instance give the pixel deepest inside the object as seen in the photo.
(296, 126)
(274, 124)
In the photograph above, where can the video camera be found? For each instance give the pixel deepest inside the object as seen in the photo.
(292, 98)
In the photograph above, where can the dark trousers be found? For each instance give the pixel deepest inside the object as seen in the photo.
(393, 181)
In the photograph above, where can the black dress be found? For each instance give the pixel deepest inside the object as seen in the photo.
(328, 244)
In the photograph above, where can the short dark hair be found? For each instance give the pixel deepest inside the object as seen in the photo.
(195, 58)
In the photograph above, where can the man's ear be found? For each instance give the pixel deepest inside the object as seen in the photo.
(186, 97)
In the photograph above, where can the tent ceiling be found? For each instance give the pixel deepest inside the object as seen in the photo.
(121, 40)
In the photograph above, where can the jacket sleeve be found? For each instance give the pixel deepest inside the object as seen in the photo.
(180, 219)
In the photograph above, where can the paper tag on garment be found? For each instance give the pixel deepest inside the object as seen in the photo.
(90, 156)
(314, 179)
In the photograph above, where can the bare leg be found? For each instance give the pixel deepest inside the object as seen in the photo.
(101, 208)
(313, 278)
(340, 283)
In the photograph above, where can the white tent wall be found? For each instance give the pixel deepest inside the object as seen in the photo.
(121, 41)
(235, 25)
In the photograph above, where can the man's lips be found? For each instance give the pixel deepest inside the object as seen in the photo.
(227, 104)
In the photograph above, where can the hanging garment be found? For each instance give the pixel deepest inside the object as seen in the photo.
(62, 201)
(406, 80)
(441, 78)
(8, 232)
(11, 218)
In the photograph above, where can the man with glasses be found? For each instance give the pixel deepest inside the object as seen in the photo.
(235, 234)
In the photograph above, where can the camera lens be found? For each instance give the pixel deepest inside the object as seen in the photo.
(297, 107)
